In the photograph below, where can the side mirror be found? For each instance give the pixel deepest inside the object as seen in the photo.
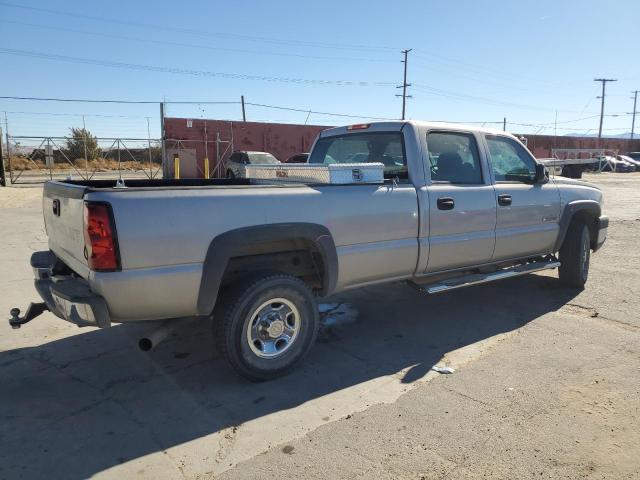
(541, 174)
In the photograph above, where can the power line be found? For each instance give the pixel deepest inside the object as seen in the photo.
(193, 45)
(73, 114)
(197, 32)
(306, 110)
(186, 71)
(604, 83)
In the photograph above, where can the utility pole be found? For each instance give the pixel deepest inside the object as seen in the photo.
(633, 121)
(504, 124)
(404, 83)
(244, 116)
(604, 83)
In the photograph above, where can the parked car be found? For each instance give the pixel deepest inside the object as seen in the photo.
(238, 160)
(458, 206)
(298, 158)
(634, 155)
(612, 164)
(629, 160)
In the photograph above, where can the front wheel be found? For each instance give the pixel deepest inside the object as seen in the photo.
(265, 325)
(575, 255)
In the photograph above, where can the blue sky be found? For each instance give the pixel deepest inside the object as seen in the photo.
(472, 61)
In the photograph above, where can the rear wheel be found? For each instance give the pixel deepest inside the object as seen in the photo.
(575, 255)
(266, 324)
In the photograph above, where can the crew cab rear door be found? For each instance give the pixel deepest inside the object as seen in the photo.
(528, 214)
(462, 208)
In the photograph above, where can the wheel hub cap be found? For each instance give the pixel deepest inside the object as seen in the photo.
(273, 327)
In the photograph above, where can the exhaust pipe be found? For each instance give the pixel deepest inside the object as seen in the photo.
(155, 337)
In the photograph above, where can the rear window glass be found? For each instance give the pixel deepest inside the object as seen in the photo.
(385, 148)
(262, 158)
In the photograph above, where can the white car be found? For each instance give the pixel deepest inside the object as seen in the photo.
(632, 161)
(236, 165)
(612, 164)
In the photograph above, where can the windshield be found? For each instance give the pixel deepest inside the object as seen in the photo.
(262, 158)
(379, 147)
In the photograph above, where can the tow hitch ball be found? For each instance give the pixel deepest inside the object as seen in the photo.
(35, 309)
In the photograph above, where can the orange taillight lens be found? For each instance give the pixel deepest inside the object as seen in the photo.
(100, 238)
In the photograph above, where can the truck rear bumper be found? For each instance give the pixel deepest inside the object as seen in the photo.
(68, 297)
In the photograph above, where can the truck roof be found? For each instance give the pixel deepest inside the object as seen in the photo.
(396, 125)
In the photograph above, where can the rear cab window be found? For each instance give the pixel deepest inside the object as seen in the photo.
(373, 147)
(454, 158)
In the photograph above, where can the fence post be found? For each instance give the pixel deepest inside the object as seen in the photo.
(86, 157)
(3, 179)
(149, 144)
(119, 171)
(6, 133)
(48, 149)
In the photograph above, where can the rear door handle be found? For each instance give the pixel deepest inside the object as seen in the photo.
(446, 203)
(504, 200)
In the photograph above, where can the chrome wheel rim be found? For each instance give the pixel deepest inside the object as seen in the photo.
(273, 328)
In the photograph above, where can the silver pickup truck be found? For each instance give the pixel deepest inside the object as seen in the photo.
(459, 206)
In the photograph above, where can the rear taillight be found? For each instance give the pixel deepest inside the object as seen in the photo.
(100, 238)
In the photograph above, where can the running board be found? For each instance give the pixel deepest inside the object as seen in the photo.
(478, 278)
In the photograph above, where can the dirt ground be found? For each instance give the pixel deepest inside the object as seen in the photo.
(546, 381)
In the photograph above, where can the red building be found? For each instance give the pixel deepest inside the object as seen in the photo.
(195, 139)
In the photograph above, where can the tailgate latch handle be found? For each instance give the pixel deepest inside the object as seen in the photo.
(56, 207)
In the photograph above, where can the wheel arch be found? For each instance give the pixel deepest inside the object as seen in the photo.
(588, 211)
(261, 240)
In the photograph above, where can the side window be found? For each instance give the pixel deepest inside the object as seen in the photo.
(509, 160)
(235, 157)
(453, 158)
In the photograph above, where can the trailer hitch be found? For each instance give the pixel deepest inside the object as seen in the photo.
(35, 309)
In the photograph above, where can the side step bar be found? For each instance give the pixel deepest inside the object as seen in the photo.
(478, 278)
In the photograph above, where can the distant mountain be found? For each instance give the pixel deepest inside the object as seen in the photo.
(591, 135)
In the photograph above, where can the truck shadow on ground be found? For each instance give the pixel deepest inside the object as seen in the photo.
(77, 406)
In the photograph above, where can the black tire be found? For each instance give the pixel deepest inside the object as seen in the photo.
(577, 171)
(237, 321)
(230, 175)
(575, 254)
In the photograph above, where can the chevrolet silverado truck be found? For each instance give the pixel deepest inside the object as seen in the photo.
(458, 206)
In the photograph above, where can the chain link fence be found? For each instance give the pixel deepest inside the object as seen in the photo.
(32, 159)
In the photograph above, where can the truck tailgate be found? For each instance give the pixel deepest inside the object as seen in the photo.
(63, 208)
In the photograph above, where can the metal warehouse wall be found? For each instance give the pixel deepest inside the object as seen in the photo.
(187, 137)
